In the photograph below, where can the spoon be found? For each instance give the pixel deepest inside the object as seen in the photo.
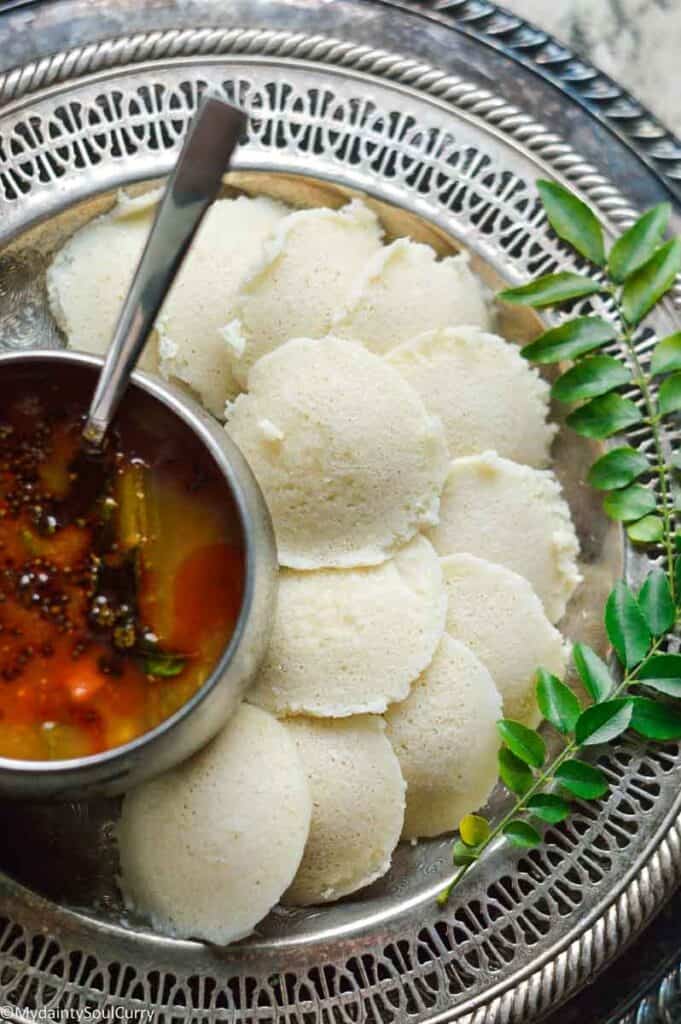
(193, 186)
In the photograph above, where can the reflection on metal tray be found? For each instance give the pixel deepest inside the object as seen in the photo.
(447, 160)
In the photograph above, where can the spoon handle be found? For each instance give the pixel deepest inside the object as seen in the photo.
(192, 187)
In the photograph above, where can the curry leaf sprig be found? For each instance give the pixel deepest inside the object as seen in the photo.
(614, 393)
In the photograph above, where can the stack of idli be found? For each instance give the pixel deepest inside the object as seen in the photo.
(426, 550)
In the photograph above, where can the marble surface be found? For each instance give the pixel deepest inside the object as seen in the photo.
(637, 42)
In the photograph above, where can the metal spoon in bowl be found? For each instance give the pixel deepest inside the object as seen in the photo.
(191, 189)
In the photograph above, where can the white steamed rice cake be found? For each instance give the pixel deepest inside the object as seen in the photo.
(404, 291)
(485, 393)
(227, 247)
(305, 276)
(347, 642)
(208, 848)
(514, 515)
(88, 279)
(358, 806)
(496, 613)
(350, 462)
(445, 738)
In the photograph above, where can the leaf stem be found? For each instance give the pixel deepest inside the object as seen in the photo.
(520, 805)
(644, 272)
(654, 419)
(517, 808)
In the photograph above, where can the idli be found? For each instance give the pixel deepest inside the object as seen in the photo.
(350, 462)
(406, 290)
(227, 247)
(445, 738)
(516, 516)
(357, 806)
(496, 614)
(485, 393)
(88, 279)
(346, 642)
(305, 276)
(208, 848)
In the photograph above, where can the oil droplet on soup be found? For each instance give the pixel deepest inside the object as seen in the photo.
(121, 573)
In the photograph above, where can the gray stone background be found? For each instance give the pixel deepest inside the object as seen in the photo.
(637, 42)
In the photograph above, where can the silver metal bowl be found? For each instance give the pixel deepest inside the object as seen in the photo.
(198, 720)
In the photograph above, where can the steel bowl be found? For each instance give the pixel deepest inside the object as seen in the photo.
(113, 771)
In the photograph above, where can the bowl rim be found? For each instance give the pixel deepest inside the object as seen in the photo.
(199, 422)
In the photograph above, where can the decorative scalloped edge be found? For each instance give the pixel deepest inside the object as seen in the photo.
(173, 43)
(599, 94)
(543, 989)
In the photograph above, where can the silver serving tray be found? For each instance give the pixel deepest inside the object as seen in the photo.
(445, 137)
